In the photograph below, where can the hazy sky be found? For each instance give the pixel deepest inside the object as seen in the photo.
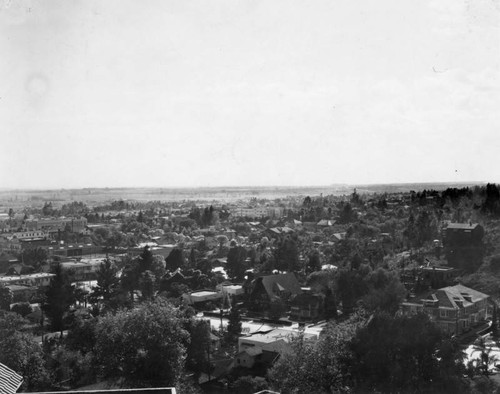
(248, 92)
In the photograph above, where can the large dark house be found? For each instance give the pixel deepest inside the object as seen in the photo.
(463, 245)
(307, 307)
(265, 289)
(463, 233)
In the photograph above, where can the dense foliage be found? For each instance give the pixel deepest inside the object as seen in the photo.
(145, 345)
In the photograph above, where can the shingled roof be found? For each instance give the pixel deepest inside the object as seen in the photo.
(452, 296)
(282, 282)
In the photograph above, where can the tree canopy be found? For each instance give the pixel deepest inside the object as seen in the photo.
(59, 296)
(144, 346)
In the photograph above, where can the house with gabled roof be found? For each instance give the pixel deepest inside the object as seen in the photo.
(306, 306)
(325, 223)
(265, 289)
(338, 237)
(455, 309)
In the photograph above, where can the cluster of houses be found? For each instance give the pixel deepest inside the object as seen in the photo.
(431, 288)
(40, 227)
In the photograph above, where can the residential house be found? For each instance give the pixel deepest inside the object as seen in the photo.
(21, 293)
(306, 307)
(325, 223)
(437, 277)
(454, 308)
(82, 270)
(463, 233)
(338, 237)
(10, 245)
(265, 289)
(277, 232)
(463, 245)
(277, 340)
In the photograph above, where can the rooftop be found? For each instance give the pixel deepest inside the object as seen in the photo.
(278, 334)
(455, 296)
(462, 226)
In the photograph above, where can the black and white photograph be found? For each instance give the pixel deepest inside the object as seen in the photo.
(250, 196)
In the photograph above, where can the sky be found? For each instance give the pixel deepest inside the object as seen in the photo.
(172, 93)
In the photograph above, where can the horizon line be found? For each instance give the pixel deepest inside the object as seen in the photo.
(245, 186)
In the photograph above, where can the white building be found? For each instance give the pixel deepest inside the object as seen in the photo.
(201, 296)
(30, 235)
(276, 340)
(41, 279)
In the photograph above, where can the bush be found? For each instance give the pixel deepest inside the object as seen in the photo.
(495, 263)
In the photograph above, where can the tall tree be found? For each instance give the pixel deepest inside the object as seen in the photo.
(234, 324)
(198, 350)
(491, 204)
(81, 335)
(145, 346)
(147, 285)
(236, 262)
(129, 279)
(34, 256)
(107, 281)
(426, 228)
(399, 354)
(20, 352)
(6, 297)
(321, 366)
(287, 255)
(314, 262)
(347, 214)
(175, 259)
(145, 260)
(158, 267)
(384, 291)
(351, 287)
(59, 296)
